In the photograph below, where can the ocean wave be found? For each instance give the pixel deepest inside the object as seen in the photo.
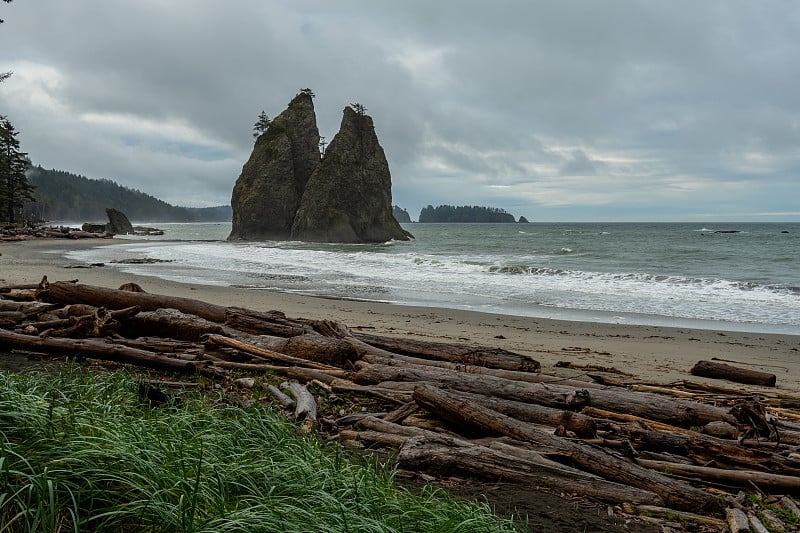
(473, 277)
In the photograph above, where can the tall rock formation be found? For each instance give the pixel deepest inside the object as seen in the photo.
(267, 194)
(349, 196)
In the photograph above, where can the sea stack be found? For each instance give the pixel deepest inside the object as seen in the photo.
(268, 192)
(349, 196)
(287, 191)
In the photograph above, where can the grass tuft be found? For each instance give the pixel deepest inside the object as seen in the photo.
(81, 452)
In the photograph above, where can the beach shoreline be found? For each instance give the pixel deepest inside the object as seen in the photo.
(652, 354)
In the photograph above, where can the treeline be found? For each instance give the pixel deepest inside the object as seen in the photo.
(464, 213)
(64, 196)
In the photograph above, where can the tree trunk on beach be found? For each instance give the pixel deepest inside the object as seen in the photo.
(710, 369)
(455, 353)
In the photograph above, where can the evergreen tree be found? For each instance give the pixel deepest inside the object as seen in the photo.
(359, 109)
(14, 186)
(261, 125)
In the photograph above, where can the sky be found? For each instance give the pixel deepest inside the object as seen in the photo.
(594, 110)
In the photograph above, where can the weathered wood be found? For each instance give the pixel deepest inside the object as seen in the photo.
(285, 401)
(679, 412)
(594, 460)
(305, 406)
(699, 447)
(20, 295)
(440, 453)
(401, 413)
(755, 524)
(772, 522)
(448, 455)
(387, 394)
(711, 369)
(220, 340)
(172, 323)
(663, 512)
(96, 349)
(455, 353)
(683, 413)
(69, 293)
(26, 308)
(12, 317)
(309, 346)
(737, 520)
(157, 344)
(583, 426)
(306, 374)
(406, 361)
(741, 478)
(384, 426)
(538, 393)
(372, 437)
(788, 503)
(101, 322)
(704, 449)
(272, 323)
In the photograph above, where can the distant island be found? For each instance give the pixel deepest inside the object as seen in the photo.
(64, 196)
(466, 213)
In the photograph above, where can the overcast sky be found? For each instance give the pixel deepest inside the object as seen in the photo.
(558, 111)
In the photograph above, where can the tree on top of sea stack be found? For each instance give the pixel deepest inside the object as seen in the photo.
(268, 191)
(349, 196)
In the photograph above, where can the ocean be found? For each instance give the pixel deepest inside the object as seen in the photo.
(736, 276)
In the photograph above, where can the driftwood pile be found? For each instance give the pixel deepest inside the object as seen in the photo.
(719, 458)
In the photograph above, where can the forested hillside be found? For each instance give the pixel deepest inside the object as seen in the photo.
(62, 196)
(464, 213)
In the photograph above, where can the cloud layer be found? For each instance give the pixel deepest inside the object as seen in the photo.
(554, 110)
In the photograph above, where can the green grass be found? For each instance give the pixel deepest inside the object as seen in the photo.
(81, 452)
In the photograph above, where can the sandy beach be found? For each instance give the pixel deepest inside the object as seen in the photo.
(648, 353)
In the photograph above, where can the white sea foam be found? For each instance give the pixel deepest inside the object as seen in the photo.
(495, 273)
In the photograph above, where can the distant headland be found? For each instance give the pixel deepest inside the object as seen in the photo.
(467, 214)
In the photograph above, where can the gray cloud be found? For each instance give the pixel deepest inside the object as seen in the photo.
(555, 110)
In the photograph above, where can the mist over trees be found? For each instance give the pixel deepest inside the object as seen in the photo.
(62, 196)
(464, 213)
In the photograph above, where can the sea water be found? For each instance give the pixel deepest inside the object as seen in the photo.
(737, 276)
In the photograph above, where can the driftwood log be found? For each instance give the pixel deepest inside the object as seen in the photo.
(712, 369)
